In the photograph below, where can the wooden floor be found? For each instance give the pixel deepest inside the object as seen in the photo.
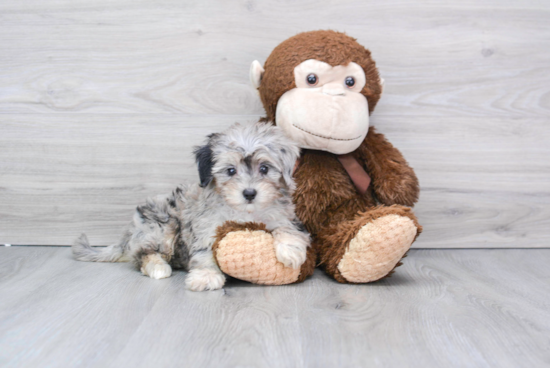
(443, 308)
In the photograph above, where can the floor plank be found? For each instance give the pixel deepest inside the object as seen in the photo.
(451, 308)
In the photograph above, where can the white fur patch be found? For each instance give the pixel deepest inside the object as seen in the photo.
(201, 279)
(155, 267)
(290, 249)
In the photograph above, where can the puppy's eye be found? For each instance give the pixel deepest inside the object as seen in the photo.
(264, 169)
(350, 82)
(312, 79)
(231, 171)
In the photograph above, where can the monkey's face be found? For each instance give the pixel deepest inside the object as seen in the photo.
(319, 87)
(326, 111)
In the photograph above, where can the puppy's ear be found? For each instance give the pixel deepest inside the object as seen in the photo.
(203, 157)
(289, 154)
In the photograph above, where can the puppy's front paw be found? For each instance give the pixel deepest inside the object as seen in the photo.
(202, 279)
(290, 251)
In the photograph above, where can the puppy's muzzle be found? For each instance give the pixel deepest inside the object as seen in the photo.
(249, 194)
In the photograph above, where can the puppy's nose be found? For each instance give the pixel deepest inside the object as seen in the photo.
(249, 194)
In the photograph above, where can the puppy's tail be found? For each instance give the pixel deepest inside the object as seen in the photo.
(82, 251)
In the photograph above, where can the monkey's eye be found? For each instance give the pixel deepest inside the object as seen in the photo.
(264, 169)
(312, 79)
(231, 171)
(350, 82)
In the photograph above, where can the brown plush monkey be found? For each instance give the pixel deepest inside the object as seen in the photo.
(354, 190)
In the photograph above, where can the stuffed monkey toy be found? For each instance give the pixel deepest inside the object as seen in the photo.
(354, 190)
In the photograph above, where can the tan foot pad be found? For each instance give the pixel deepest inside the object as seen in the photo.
(377, 248)
(250, 256)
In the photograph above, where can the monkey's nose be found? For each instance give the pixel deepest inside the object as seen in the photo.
(249, 194)
(333, 89)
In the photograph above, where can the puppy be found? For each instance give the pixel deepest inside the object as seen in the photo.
(245, 176)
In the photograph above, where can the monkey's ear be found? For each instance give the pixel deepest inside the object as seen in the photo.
(256, 73)
(203, 157)
(382, 85)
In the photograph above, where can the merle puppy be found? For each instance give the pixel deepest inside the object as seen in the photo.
(245, 176)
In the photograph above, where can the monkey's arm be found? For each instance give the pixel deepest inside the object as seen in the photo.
(393, 180)
(248, 252)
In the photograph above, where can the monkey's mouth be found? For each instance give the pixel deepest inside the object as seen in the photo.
(325, 137)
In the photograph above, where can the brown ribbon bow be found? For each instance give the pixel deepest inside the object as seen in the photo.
(357, 174)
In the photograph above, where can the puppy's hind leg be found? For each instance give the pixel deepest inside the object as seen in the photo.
(151, 256)
(155, 266)
(153, 238)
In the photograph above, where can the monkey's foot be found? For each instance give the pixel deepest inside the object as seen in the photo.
(247, 252)
(377, 248)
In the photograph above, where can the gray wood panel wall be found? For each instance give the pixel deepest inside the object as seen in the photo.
(101, 102)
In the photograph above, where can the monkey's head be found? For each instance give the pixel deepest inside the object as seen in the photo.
(320, 88)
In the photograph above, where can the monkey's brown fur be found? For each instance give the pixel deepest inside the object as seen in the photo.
(330, 47)
(333, 211)
(327, 202)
